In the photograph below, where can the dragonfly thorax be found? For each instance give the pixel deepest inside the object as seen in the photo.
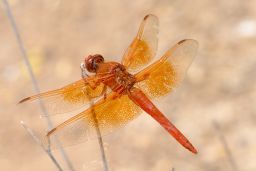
(123, 78)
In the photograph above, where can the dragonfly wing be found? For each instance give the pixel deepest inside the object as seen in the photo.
(165, 74)
(143, 48)
(111, 113)
(68, 98)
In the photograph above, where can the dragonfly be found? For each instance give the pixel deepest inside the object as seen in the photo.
(122, 90)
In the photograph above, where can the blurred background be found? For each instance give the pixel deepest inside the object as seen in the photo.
(215, 107)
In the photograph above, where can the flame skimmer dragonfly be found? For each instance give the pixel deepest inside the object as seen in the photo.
(121, 96)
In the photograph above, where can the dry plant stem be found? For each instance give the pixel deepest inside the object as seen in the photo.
(39, 142)
(100, 141)
(225, 146)
(32, 76)
(103, 155)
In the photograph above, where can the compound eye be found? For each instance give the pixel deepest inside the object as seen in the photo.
(92, 62)
(98, 59)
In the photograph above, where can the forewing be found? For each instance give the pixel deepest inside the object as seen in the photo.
(111, 113)
(143, 48)
(165, 74)
(68, 98)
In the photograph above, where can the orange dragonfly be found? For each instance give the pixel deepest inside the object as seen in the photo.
(119, 94)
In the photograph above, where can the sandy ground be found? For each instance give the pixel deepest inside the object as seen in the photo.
(220, 86)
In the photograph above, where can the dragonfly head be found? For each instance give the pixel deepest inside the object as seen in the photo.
(92, 61)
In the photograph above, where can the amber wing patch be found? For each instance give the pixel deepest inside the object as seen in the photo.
(111, 114)
(165, 74)
(144, 46)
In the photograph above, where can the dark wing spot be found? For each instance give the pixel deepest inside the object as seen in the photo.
(23, 100)
(50, 132)
(180, 42)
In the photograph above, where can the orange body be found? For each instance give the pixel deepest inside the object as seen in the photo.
(118, 79)
(125, 94)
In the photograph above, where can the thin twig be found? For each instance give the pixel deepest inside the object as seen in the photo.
(103, 155)
(225, 146)
(39, 142)
(99, 137)
(32, 76)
